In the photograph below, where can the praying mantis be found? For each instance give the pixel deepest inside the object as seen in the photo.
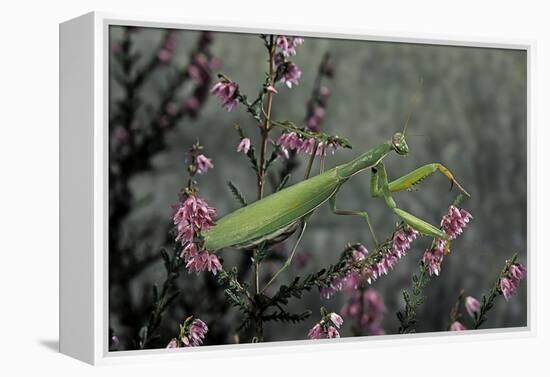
(281, 213)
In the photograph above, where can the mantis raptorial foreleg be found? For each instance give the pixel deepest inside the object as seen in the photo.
(289, 259)
(363, 214)
(382, 186)
(410, 179)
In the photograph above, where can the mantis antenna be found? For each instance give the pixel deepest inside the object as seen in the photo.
(414, 101)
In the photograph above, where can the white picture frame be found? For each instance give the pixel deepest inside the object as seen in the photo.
(84, 189)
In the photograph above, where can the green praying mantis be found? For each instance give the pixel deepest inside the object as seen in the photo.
(281, 213)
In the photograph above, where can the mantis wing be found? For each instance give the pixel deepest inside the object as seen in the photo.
(273, 214)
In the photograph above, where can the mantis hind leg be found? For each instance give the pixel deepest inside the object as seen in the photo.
(289, 259)
(408, 181)
(362, 214)
(383, 187)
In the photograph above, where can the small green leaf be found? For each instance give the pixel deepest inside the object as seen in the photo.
(237, 194)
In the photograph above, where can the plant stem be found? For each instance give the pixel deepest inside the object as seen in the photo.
(413, 299)
(310, 162)
(267, 124)
(262, 171)
(455, 311)
(162, 298)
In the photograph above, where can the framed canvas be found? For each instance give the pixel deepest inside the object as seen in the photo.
(242, 189)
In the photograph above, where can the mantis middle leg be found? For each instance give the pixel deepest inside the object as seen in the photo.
(362, 214)
(289, 259)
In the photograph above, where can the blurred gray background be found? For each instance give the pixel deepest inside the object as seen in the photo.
(471, 118)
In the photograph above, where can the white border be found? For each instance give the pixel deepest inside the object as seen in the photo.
(102, 356)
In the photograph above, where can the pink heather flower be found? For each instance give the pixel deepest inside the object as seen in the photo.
(375, 329)
(358, 253)
(307, 146)
(332, 147)
(374, 302)
(290, 74)
(351, 281)
(203, 164)
(457, 326)
(316, 332)
(433, 257)
(353, 307)
(194, 73)
(455, 221)
(332, 332)
(315, 118)
(335, 285)
(120, 134)
(303, 258)
(166, 52)
(472, 305)
(215, 64)
(191, 214)
(244, 145)
(189, 252)
(324, 330)
(185, 231)
(172, 108)
(292, 141)
(272, 89)
(354, 278)
(312, 123)
(196, 334)
(227, 93)
(289, 140)
(283, 44)
(173, 343)
(518, 271)
(200, 260)
(297, 41)
(401, 241)
(336, 319)
(164, 55)
(196, 211)
(366, 311)
(198, 69)
(506, 288)
(288, 45)
(116, 48)
(510, 281)
(452, 223)
(191, 105)
(324, 91)
(319, 113)
(283, 153)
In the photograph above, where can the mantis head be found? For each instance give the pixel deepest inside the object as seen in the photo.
(399, 144)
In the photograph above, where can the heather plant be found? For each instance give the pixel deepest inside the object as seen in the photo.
(201, 237)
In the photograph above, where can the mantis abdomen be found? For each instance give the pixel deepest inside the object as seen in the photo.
(271, 215)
